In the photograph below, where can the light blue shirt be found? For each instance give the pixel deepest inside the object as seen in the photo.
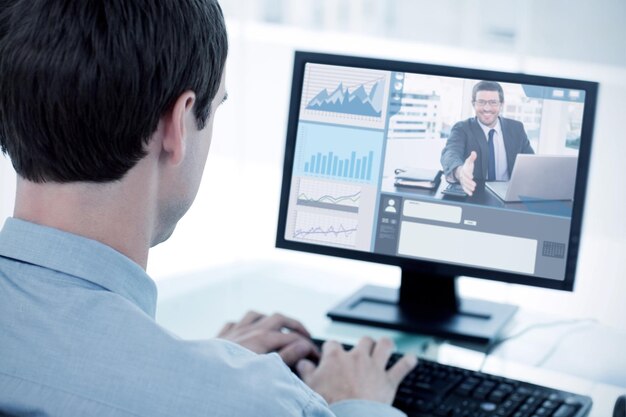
(78, 338)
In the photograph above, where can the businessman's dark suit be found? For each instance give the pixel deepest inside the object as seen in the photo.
(467, 136)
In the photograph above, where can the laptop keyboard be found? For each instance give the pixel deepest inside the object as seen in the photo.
(437, 390)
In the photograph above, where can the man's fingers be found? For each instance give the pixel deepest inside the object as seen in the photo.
(278, 321)
(330, 346)
(382, 351)
(472, 156)
(276, 340)
(401, 369)
(294, 352)
(226, 328)
(305, 369)
(366, 345)
(469, 186)
(250, 317)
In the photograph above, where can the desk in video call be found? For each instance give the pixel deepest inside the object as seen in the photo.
(483, 196)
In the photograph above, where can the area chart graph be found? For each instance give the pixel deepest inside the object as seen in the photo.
(329, 195)
(351, 99)
(332, 230)
(345, 95)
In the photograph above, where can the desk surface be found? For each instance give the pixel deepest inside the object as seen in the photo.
(195, 306)
(483, 196)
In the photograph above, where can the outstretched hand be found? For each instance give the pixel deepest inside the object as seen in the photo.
(356, 374)
(275, 333)
(465, 174)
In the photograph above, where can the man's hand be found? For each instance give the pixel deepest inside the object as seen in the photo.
(356, 374)
(465, 174)
(275, 333)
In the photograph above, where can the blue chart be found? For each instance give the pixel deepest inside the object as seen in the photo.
(353, 167)
(338, 152)
(351, 99)
(326, 229)
(329, 195)
(345, 95)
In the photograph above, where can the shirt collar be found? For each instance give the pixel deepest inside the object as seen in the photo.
(486, 129)
(79, 257)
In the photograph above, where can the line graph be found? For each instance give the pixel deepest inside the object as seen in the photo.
(327, 229)
(329, 195)
(345, 95)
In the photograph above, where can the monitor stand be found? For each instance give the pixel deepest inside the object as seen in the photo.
(426, 304)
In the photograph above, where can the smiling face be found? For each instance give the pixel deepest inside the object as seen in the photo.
(487, 106)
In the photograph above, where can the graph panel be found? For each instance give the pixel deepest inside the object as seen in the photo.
(326, 229)
(329, 195)
(337, 152)
(343, 95)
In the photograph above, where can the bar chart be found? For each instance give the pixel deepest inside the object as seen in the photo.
(338, 152)
(331, 165)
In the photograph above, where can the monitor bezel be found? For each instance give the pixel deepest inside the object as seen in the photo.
(433, 267)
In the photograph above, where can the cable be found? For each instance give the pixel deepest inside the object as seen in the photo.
(498, 342)
(556, 346)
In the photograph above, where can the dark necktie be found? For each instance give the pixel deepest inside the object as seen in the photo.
(491, 169)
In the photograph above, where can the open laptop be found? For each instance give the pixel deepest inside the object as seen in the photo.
(538, 177)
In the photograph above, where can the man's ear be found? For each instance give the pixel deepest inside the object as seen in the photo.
(175, 129)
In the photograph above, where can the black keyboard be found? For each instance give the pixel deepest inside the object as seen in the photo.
(436, 390)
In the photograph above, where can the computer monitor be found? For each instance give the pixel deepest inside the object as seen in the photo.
(371, 148)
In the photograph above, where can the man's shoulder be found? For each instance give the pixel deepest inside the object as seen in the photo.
(139, 368)
(462, 127)
(466, 123)
(98, 347)
(511, 123)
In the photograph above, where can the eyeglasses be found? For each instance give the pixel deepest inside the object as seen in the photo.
(483, 103)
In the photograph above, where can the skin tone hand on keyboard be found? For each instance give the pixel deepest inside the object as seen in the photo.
(358, 373)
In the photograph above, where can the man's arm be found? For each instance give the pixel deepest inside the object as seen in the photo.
(456, 167)
(526, 148)
(453, 154)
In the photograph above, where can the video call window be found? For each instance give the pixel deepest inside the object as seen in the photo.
(360, 129)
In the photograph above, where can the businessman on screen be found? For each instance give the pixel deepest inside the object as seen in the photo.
(484, 147)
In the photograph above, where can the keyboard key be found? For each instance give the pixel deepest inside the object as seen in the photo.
(488, 406)
(497, 396)
(517, 397)
(550, 405)
(565, 411)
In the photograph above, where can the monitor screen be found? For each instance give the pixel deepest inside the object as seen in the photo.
(378, 153)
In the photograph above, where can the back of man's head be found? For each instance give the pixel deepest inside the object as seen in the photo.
(488, 86)
(84, 83)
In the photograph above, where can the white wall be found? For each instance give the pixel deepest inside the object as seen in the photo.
(7, 188)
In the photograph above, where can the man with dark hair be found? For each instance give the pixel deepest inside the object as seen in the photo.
(106, 111)
(484, 147)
